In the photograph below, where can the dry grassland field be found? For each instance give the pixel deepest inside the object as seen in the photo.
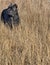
(29, 42)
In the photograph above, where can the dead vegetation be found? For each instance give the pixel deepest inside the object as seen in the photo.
(28, 43)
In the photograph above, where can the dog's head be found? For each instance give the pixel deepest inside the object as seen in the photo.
(12, 9)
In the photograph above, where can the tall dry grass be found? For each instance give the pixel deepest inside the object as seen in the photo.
(28, 43)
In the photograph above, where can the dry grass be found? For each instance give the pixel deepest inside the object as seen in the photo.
(28, 43)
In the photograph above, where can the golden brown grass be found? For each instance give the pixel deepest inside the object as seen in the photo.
(28, 43)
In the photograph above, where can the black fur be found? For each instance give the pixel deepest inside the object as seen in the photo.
(10, 14)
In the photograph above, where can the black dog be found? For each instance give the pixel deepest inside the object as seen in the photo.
(10, 15)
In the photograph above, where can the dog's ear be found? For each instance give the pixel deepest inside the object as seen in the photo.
(10, 5)
(15, 5)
